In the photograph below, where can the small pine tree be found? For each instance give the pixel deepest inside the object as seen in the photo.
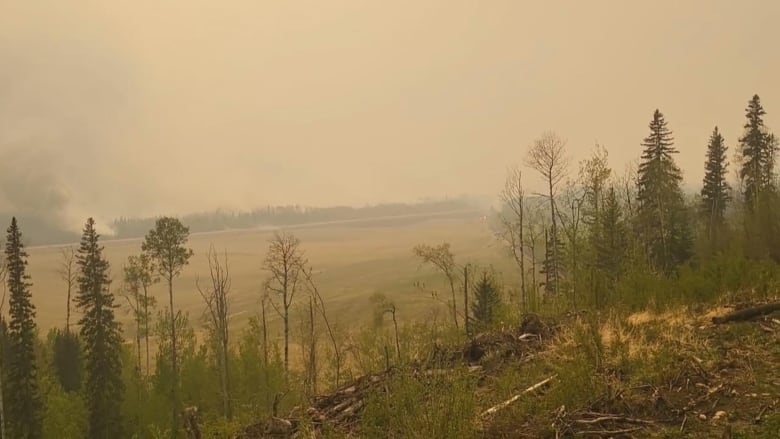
(552, 262)
(715, 192)
(662, 216)
(24, 411)
(102, 338)
(487, 299)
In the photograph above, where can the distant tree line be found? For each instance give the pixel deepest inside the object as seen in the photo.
(290, 215)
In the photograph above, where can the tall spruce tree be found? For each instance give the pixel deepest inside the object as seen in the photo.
(24, 410)
(102, 338)
(715, 192)
(662, 216)
(757, 149)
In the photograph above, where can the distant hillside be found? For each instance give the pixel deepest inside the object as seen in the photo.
(292, 215)
(46, 231)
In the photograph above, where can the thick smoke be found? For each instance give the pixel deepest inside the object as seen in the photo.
(62, 104)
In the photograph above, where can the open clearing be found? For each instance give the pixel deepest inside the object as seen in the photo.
(352, 261)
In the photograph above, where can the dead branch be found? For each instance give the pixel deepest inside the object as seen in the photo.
(613, 418)
(510, 401)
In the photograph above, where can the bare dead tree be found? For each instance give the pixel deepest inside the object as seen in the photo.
(312, 349)
(68, 272)
(574, 199)
(284, 261)
(441, 257)
(467, 318)
(533, 235)
(547, 156)
(216, 296)
(139, 276)
(130, 292)
(384, 307)
(320, 306)
(513, 225)
(263, 301)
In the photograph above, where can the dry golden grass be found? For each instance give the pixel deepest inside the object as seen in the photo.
(351, 263)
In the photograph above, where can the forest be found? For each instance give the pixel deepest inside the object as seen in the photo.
(596, 247)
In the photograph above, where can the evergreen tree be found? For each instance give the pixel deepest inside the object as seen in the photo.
(24, 411)
(552, 262)
(102, 338)
(67, 360)
(715, 192)
(487, 298)
(662, 216)
(757, 149)
(612, 246)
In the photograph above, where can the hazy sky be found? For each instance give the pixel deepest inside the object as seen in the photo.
(114, 108)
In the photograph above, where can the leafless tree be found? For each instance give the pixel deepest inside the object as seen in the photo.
(547, 156)
(512, 229)
(216, 296)
(309, 347)
(68, 272)
(384, 307)
(594, 176)
(441, 257)
(534, 234)
(319, 304)
(131, 293)
(574, 198)
(284, 262)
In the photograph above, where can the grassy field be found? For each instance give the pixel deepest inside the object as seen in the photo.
(352, 262)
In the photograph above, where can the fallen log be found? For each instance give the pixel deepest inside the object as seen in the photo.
(747, 313)
(511, 400)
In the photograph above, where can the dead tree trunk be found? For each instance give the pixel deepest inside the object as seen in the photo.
(748, 313)
(466, 300)
(217, 300)
(284, 261)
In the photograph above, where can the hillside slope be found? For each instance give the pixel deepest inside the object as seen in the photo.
(673, 374)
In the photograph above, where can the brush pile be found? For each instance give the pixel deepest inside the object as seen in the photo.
(341, 409)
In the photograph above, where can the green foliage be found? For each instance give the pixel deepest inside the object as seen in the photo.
(65, 416)
(610, 247)
(165, 246)
(24, 408)
(440, 407)
(67, 360)
(102, 337)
